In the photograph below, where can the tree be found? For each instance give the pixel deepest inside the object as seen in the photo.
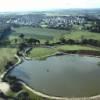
(22, 46)
(95, 27)
(21, 36)
(47, 42)
(71, 41)
(33, 41)
(62, 40)
(30, 41)
(23, 96)
(16, 87)
(11, 79)
(3, 96)
(9, 64)
(16, 40)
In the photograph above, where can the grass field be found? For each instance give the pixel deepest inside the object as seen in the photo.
(40, 33)
(52, 34)
(40, 52)
(82, 34)
(6, 54)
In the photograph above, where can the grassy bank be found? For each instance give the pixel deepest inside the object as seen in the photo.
(41, 52)
(32, 96)
(78, 47)
(6, 54)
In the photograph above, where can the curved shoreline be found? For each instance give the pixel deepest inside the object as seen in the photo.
(42, 95)
(3, 75)
(82, 52)
(45, 96)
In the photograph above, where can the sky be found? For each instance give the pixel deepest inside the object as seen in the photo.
(42, 5)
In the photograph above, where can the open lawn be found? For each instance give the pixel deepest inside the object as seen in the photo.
(76, 35)
(41, 52)
(40, 33)
(6, 54)
(78, 47)
(52, 35)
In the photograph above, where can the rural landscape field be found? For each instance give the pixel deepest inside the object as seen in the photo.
(50, 55)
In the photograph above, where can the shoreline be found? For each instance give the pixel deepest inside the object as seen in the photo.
(46, 96)
(50, 97)
(42, 95)
(3, 75)
(89, 53)
(6, 86)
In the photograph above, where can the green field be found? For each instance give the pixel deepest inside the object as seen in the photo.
(41, 52)
(76, 35)
(43, 34)
(6, 54)
(52, 34)
(40, 33)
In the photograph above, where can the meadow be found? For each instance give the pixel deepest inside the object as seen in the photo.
(6, 55)
(53, 34)
(40, 33)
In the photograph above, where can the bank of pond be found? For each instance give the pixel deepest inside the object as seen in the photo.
(70, 75)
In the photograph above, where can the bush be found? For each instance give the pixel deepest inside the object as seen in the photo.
(16, 87)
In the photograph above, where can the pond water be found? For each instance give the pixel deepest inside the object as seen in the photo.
(67, 75)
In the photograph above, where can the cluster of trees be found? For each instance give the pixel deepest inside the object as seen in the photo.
(94, 27)
(9, 64)
(4, 30)
(2, 94)
(23, 96)
(17, 87)
(67, 27)
(91, 42)
(21, 42)
(29, 40)
(82, 41)
(5, 97)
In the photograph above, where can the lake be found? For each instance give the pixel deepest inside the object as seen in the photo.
(65, 76)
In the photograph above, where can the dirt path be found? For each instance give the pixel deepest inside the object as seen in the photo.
(4, 87)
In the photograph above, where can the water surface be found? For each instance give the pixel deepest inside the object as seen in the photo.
(68, 75)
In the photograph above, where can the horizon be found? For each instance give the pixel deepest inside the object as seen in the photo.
(49, 10)
(46, 5)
